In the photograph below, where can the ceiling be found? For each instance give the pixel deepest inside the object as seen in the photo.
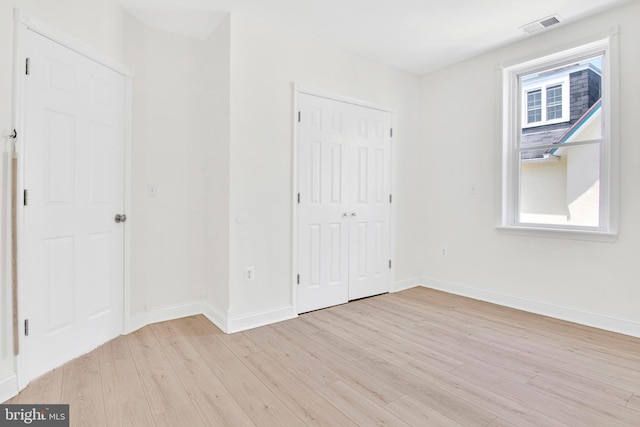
(413, 35)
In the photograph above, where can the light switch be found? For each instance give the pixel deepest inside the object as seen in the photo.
(152, 190)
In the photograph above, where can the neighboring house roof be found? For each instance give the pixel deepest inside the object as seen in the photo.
(581, 122)
(576, 131)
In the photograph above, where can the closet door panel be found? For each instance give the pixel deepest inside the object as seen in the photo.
(322, 223)
(370, 204)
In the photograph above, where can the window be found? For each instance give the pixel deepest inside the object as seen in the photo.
(559, 157)
(544, 95)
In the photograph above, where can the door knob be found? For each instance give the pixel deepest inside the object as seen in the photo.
(353, 214)
(345, 215)
(120, 218)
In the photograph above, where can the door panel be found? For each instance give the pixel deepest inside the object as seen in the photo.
(100, 161)
(344, 212)
(72, 254)
(322, 231)
(370, 188)
(59, 147)
(99, 251)
(337, 190)
(335, 253)
(59, 276)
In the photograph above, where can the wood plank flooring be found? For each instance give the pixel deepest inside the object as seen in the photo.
(418, 357)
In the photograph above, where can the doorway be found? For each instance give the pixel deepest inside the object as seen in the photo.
(71, 247)
(344, 202)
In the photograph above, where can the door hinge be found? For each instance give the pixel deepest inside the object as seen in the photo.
(24, 197)
(26, 327)
(389, 264)
(391, 132)
(299, 117)
(390, 198)
(298, 198)
(298, 279)
(27, 67)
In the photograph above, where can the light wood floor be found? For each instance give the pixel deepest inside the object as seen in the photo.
(418, 357)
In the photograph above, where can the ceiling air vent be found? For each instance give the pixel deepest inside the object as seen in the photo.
(541, 24)
(550, 21)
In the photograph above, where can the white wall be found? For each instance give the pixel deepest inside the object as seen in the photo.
(543, 191)
(97, 23)
(264, 63)
(583, 184)
(167, 231)
(461, 104)
(215, 157)
(583, 174)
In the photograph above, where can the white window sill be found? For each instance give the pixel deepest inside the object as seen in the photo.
(558, 233)
(544, 123)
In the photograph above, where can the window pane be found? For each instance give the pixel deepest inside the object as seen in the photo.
(561, 186)
(554, 102)
(534, 106)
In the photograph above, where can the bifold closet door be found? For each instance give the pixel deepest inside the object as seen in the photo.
(369, 203)
(323, 257)
(344, 164)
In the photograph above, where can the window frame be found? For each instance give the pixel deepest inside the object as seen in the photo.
(513, 120)
(543, 85)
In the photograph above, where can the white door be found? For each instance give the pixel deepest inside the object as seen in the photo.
(71, 268)
(344, 210)
(323, 204)
(370, 204)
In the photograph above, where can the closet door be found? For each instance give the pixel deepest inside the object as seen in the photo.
(369, 203)
(344, 208)
(322, 215)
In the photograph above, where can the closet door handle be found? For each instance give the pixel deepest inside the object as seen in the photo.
(344, 215)
(353, 214)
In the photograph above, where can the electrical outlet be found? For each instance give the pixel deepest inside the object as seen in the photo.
(443, 251)
(249, 273)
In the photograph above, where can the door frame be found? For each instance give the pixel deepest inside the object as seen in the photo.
(297, 90)
(23, 22)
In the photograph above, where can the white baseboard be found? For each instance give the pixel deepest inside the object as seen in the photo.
(163, 314)
(215, 316)
(403, 285)
(261, 318)
(596, 320)
(227, 323)
(8, 387)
